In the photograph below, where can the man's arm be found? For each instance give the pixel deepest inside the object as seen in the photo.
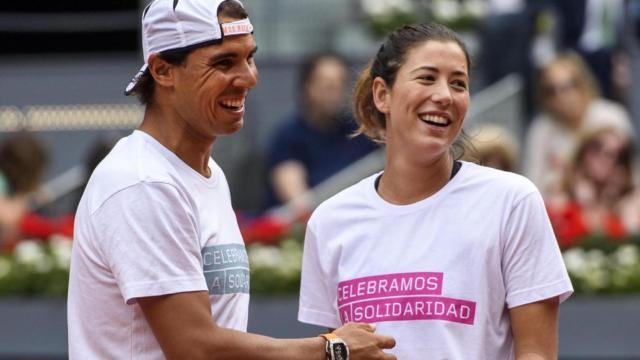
(535, 330)
(184, 328)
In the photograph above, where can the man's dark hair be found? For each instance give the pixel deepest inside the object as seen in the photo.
(145, 88)
(309, 65)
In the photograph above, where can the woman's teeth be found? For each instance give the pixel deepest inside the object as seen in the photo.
(435, 120)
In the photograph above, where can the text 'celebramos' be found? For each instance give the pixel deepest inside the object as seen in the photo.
(403, 296)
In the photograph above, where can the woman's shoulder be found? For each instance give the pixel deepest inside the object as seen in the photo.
(491, 179)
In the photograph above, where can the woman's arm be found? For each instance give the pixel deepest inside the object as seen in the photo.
(535, 330)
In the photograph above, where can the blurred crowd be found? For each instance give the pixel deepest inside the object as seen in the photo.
(579, 147)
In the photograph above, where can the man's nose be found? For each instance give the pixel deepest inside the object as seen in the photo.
(247, 76)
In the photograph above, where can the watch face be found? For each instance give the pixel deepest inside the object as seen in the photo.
(340, 351)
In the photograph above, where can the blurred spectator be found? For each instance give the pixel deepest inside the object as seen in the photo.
(593, 28)
(495, 147)
(23, 160)
(588, 200)
(508, 24)
(630, 211)
(314, 143)
(96, 153)
(571, 105)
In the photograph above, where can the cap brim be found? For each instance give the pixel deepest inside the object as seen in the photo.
(136, 79)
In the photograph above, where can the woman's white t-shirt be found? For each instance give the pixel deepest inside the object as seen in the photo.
(438, 275)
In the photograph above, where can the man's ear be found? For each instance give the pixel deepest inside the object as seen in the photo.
(162, 71)
(381, 93)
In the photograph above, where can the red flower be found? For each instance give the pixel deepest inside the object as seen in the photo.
(264, 229)
(40, 227)
(570, 224)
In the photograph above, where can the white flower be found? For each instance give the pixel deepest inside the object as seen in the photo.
(61, 250)
(626, 255)
(376, 8)
(597, 279)
(445, 9)
(475, 8)
(29, 252)
(596, 259)
(264, 256)
(575, 261)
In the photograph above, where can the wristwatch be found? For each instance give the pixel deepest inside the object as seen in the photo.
(336, 348)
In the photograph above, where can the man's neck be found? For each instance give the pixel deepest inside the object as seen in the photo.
(165, 126)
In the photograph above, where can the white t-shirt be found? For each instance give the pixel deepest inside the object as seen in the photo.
(440, 274)
(150, 225)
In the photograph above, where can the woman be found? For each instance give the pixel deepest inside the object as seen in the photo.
(591, 198)
(571, 105)
(450, 258)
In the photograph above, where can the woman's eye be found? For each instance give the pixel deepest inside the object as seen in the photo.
(460, 84)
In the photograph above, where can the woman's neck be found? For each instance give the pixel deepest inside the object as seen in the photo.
(404, 183)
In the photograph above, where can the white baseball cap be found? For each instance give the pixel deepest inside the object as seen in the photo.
(183, 24)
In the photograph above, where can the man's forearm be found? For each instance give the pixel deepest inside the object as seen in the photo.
(231, 344)
(533, 356)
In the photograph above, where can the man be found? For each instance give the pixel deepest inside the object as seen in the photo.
(159, 269)
(314, 143)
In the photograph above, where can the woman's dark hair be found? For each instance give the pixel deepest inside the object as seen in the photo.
(146, 85)
(390, 57)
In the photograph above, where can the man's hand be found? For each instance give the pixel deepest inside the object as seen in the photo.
(363, 343)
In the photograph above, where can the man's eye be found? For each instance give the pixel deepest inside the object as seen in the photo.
(225, 63)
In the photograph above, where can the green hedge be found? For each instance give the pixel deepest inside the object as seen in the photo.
(35, 268)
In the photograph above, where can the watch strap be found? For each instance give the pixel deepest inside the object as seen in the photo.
(331, 340)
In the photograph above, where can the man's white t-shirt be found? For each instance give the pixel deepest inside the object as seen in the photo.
(440, 274)
(150, 225)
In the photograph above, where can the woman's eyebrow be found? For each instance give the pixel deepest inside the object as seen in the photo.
(436, 70)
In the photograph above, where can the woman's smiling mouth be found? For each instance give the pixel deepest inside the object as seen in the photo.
(435, 120)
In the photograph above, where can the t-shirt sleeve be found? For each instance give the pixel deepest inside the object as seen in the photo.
(532, 265)
(318, 302)
(148, 236)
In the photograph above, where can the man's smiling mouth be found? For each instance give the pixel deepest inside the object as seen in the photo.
(234, 105)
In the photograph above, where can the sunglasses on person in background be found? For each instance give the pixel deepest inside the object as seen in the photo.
(551, 90)
(620, 155)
